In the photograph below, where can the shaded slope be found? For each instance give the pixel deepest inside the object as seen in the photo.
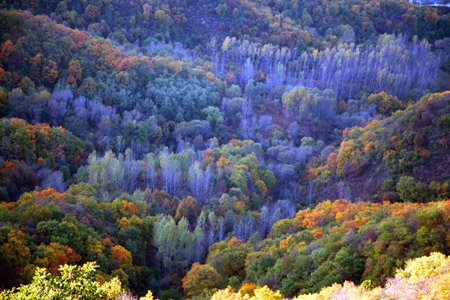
(412, 144)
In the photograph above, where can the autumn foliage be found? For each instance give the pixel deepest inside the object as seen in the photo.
(228, 149)
(348, 241)
(373, 162)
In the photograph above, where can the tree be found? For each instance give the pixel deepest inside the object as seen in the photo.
(213, 116)
(53, 180)
(147, 10)
(409, 190)
(424, 268)
(349, 266)
(222, 10)
(15, 256)
(164, 20)
(175, 244)
(238, 179)
(26, 84)
(262, 189)
(57, 104)
(54, 255)
(200, 279)
(74, 73)
(200, 182)
(150, 169)
(385, 104)
(187, 209)
(75, 282)
(171, 171)
(122, 255)
(3, 97)
(17, 179)
(50, 72)
(6, 49)
(92, 11)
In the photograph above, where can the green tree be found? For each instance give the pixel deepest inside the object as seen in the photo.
(200, 279)
(409, 190)
(213, 116)
(75, 282)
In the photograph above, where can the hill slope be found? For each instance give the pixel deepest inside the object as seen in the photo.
(405, 157)
(333, 242)
(286, 23)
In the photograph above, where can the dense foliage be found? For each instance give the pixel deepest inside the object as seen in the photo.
(191, 146)
(396, 157)
(334, 242)
(47, 229)
(421, 278)
(38, 155)
(285, 23)
(74, 283)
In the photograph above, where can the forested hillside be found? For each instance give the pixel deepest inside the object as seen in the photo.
(402, 158)
(285, 23)
(421, 278)
(223, 149)
(331, 243)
